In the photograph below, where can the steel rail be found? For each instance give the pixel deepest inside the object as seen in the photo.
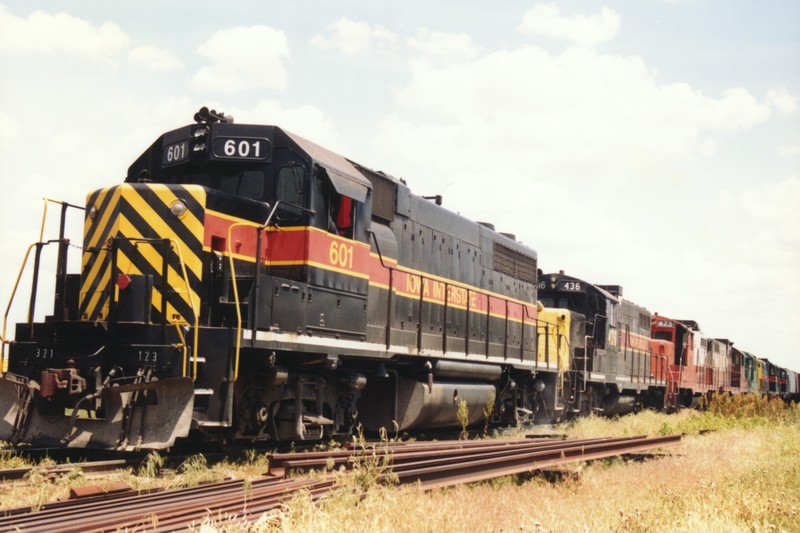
(281, 464)
(435, 474)
(230, 505)
(135, 510)
(92, 466)
(431, 465)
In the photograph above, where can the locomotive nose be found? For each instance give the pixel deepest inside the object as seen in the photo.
(145, 238)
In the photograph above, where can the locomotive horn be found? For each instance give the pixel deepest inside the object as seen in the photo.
(204, 115)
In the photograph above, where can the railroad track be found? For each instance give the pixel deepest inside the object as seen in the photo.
(443, 464)
(432, 465)
(10, 474)
(135, 461)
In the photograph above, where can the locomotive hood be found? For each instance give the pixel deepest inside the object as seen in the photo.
(143, 233)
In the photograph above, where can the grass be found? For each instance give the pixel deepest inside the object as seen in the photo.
(732, 480)
(40, 487)
(744, 475)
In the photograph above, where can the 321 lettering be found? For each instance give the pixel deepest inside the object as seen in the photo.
(44, 353)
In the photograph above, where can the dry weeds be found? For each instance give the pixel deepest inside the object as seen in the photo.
(743, 476)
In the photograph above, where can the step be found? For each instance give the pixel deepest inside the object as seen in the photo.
(212, 424)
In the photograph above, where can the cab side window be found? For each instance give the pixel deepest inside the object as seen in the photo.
(338, 210)
(290, 190)
(344, 211)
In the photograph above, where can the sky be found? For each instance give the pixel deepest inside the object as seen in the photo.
(652, 144)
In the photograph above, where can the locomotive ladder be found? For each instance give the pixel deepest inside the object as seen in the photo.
(59, 310)
(673, 386)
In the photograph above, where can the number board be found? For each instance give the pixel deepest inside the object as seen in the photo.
(571, 286)
(248, 148)
(175, 153)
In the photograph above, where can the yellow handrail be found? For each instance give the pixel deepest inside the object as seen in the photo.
(259, 227)
(8, 308)
(19, 276)
(3, 340)
(44, 218)
(177, 246)
(183, 348)
(44, 213)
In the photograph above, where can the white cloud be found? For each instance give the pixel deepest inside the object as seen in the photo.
(8, 128)
(775, 205)
(573, 114)
(243, 59)
(789, 150)
(547, 20)
(708, 148)
(782, 100)
(154, 58)
(737, 109)
(60, 33)
(593, 159)
(305, 120)
(608, 172)
(447, 47)
(352, 37)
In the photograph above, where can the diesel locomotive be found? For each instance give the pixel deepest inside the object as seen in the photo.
(629, 358)
(244, 283)
(615, 366)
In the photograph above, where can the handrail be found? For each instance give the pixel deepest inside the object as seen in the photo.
(8, 307)
(558, 335)
(3, 339)
(236, 293)
(586, 348)
(448, 283)
(259, 227)
(194, 312)
(44, 212)
(389, 298)
(470, 289)
(183, 349)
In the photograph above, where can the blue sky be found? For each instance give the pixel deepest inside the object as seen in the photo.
(653, 144)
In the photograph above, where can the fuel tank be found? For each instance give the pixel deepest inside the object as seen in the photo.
(419, 405)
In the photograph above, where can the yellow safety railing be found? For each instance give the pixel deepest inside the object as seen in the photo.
(8, 308)
(195, 312)
(3, 340)
(259, 227)
(183, 349)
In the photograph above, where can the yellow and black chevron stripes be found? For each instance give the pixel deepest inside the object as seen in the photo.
(137, 218)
